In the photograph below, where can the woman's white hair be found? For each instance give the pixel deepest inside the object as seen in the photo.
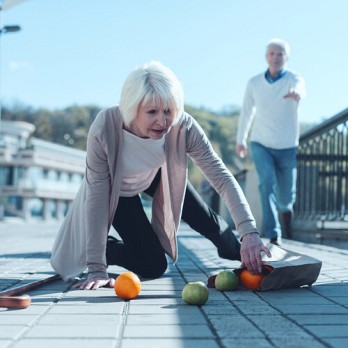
(151, 82)
(283, 45)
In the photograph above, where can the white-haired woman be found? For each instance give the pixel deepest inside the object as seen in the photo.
(271, 103)
(142, 146)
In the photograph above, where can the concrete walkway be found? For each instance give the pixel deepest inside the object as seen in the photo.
(63, 317)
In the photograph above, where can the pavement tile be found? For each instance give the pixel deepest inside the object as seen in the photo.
(115, 308)
(31, 310)
(70, 342)
(278, 326)
(5, 343)
(228, 326)
(165, 319)
(297, 342)
(152, 300)
(165, 309)
(81, 319)
(337, 342)
(61, 316)
(331, 290)
(310, 309)
(327, 319)
(167, 331)
(328, 330)
(169, 343)
(220, 309)
(341, 300)
(287, 293)
(12, 331)
(25, 320)
(255, 308)
(89, 300)
(312, 300)
(73, 331)
(247, 342)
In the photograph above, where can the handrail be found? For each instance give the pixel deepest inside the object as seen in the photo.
(324, 126)
(322, 163)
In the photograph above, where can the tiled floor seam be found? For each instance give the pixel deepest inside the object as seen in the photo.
(328, 299)
(195, 260)
(37, 320)
(122, 325)
(320, 340)
(23, 278)
(210, 325)
(219, 339)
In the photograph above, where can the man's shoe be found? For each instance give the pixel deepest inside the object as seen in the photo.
(275, 241)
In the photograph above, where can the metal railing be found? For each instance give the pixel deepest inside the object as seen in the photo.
(322, 182)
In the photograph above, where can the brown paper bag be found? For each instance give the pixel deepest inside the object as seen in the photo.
(290, 269)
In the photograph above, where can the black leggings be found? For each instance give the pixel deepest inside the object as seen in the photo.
(140, 250)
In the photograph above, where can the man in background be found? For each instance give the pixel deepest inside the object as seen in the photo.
(271, 107)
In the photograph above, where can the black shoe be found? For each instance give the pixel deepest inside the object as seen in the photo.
(228, 246)
(274, 241)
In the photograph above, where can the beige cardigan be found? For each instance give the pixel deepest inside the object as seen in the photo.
(81, 240)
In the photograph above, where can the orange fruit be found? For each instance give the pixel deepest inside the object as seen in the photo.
(127, 286)
(253, 281)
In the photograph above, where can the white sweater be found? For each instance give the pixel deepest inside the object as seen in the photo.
(275, 118)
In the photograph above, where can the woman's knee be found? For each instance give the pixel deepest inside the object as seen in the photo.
(154, 267)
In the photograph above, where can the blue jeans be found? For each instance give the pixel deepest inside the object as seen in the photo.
(276, 170)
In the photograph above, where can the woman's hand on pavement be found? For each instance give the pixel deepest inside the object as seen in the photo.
(94, 284)
(250, 251)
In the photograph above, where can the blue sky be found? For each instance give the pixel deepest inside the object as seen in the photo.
(80, 51)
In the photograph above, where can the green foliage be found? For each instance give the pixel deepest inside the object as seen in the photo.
(70, 126)
(67, 127)
(221, 129)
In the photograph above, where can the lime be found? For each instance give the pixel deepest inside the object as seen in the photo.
(226, 280)
(195, 293)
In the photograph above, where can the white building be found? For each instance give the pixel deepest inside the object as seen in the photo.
(37, 178)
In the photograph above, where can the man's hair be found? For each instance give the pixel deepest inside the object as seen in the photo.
(283, 45)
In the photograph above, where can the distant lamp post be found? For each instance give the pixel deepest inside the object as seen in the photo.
(5, 5)
(4, 30)
(9, 29)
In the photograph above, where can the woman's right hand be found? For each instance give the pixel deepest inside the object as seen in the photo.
(250, 251)
(95, 283)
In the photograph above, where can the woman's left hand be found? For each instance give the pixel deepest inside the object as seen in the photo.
(95, 284)
(250, 252)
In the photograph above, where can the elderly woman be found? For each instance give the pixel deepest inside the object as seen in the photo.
(142, 146)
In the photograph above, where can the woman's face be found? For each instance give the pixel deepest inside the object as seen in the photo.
(276, 58)
(152, 121)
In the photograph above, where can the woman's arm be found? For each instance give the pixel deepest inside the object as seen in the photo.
(97, 210)
(201, 151)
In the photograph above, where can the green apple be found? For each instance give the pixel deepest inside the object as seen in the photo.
(226, 280)
(195, 293)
